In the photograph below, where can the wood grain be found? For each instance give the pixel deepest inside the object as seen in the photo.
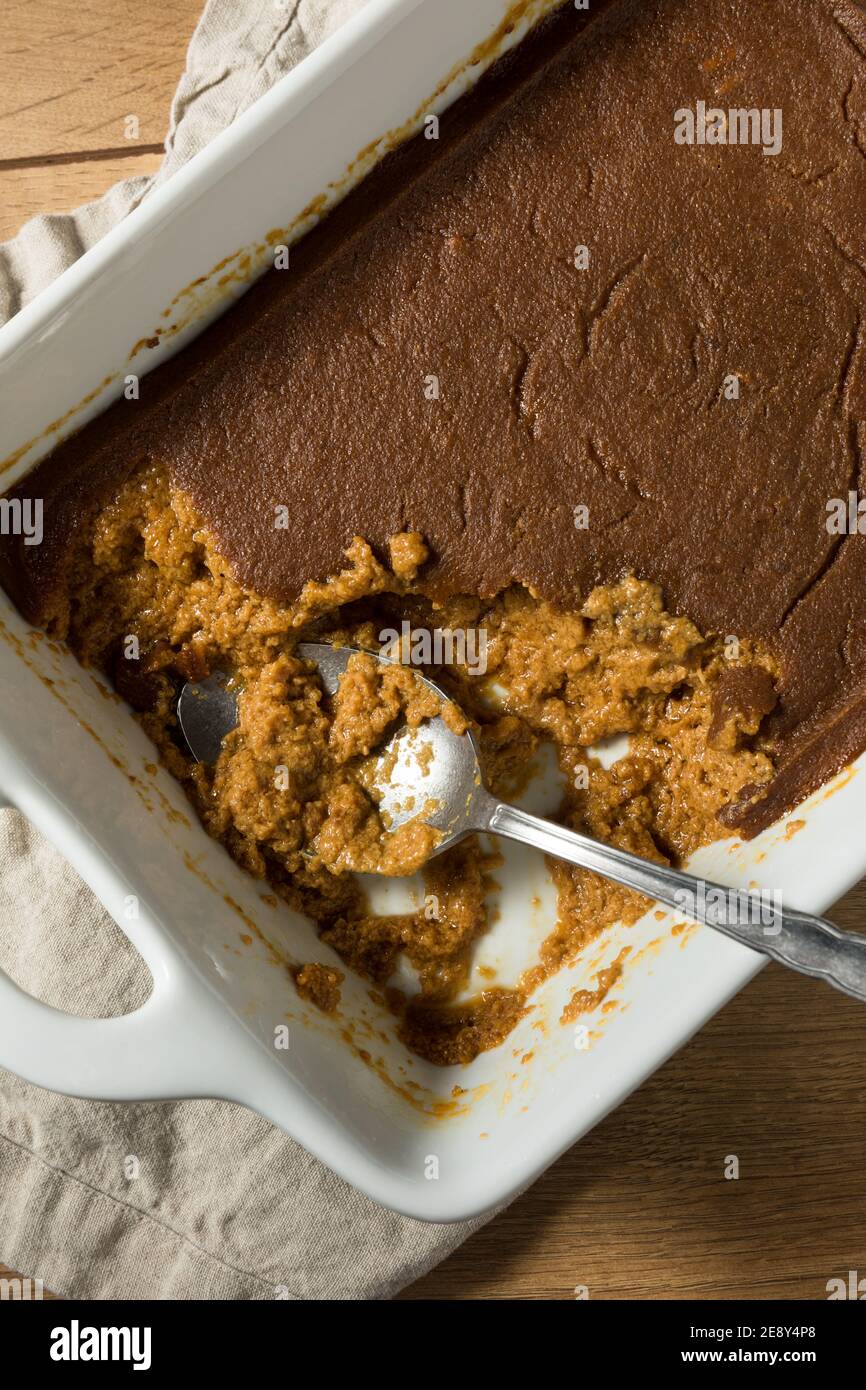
(640, 1208)
(72, 72)
(61, 187)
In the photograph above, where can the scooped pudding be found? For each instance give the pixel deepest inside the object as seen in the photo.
(151, 602)
(586, 377)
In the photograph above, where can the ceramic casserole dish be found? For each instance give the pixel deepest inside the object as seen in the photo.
(77, 765)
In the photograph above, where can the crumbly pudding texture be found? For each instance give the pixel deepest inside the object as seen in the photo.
(287, 796)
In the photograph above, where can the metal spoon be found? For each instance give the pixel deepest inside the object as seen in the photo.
(433, 768)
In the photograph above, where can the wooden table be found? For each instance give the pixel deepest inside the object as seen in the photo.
(641, 1208)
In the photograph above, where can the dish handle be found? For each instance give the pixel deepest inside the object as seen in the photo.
(169, 1048)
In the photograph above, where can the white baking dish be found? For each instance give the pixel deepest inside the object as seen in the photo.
(74, 761)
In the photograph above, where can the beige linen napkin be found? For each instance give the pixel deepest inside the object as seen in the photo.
(224, 1206)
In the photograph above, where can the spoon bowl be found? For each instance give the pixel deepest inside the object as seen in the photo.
(429, 769)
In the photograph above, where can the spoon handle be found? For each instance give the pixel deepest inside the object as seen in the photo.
(755, 918)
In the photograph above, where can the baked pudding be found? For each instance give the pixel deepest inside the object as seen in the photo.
(578, 381)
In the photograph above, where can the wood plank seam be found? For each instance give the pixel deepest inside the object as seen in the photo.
(78, 157)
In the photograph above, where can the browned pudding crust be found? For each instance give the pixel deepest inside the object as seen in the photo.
(561, 388)
(152, 602)
(437, 364)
